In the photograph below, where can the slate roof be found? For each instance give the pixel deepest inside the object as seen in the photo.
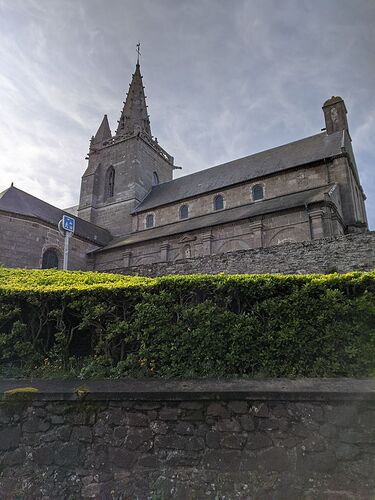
(302, 152)
(266, 206)
(19, 202)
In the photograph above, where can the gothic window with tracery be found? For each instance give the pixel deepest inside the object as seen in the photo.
(218, 202)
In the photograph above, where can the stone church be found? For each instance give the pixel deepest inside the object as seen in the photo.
(133, 213)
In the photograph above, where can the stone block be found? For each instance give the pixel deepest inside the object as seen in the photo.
(184, 428)
(238, 407)
(354, 436)
(158, 427)
(120, 433)
(342, 416)
(274, 459)
(169, 413)
(234, 441)
(44, 455)
(213, 439)
(268, 424)
(222, 460)
(121, 458)
(173, 441)
(91, 490)
(247, 423)
(36, 424)
(82, 433)
(15, 457)
(149, 461)
(139, 439)
(191, 405)
(260, 410)
(258, 440)
(218, 410)
(322, 462)
(328, 430)
(9, 438)
(67, 454)
(228, 425)
(347, 451)
(313, 443)
(137, 420)
(182, 458)
(57, 419)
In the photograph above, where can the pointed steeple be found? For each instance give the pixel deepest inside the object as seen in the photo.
(134, 116)
(103, 133)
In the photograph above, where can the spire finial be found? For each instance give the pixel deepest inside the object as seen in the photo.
(138, 51)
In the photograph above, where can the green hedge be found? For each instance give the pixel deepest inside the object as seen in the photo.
(56, 323)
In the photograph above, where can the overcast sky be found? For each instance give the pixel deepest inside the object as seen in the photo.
(224, 79)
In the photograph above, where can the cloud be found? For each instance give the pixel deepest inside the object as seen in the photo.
(223, 79)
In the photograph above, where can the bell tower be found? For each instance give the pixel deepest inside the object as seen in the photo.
(122, 168)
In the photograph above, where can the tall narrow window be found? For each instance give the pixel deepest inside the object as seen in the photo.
(186, 252)
(258, 193)
(150, 220)
(50, 259)
(218, 202)
(155, 179)
(110, 183)
(184, 212)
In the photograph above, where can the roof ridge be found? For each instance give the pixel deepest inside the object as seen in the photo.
(243, 158)
(45, 203)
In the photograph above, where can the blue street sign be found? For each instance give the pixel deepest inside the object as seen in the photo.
(68, 223)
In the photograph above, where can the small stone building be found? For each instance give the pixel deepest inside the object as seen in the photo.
(132, 213)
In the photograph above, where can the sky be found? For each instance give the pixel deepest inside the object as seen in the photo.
(224, 79)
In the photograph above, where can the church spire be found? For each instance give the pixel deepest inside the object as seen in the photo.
(134, 117)
(103, 133)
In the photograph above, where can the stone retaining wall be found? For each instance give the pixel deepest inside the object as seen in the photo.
(307, 439)
(352, 252)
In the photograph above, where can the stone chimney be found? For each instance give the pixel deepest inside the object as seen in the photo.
(335, 115)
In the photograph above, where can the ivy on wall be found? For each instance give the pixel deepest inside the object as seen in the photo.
(56, 324)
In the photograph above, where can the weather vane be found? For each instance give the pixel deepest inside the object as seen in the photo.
(138, 51)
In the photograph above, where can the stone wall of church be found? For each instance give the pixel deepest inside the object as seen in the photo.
(352, 252)
(295, 225)
(280, 184)
(23, 242)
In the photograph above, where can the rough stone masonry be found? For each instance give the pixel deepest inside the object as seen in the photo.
(352, 252)
(302, 439)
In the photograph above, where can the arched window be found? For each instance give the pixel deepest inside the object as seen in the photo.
(155, 179)
(149, 220)
(218, 202)
(50, 259)
(184, 211)
(258, 193)
(110, 183)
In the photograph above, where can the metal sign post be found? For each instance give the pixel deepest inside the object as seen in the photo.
(66, 227)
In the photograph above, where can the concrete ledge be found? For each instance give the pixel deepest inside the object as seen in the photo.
(309, 389)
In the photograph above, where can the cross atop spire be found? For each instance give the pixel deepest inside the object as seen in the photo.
(134, 117)
(138, 51)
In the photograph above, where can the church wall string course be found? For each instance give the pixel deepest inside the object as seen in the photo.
(133, 215)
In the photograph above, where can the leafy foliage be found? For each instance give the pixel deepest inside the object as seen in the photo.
(62, 324)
